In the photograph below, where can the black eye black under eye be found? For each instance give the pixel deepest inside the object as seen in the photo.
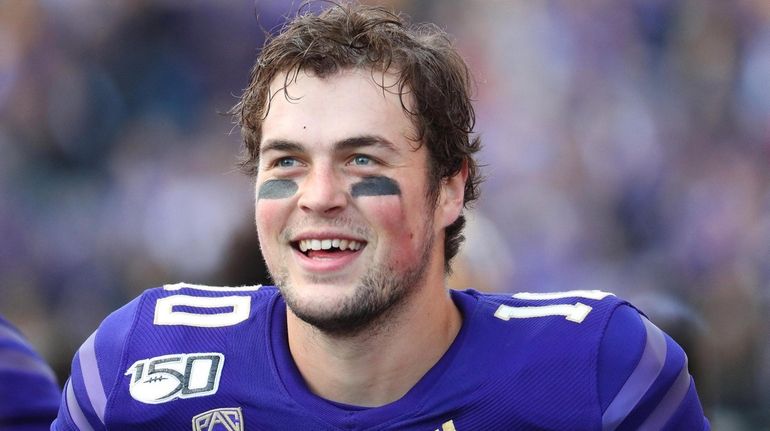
(277, 189)
(375, 186)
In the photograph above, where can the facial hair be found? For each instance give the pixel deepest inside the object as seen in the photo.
(381, 292)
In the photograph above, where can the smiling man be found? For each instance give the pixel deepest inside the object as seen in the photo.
(357, 129)
(355, 237)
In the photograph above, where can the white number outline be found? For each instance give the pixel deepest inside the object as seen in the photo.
(179, 286)
(165, 314)
(576, 312)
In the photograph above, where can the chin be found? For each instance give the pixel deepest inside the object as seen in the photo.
(341, 322)
(361, 308)
(321, 298)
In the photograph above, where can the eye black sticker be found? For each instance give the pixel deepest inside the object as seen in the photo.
(375, 186)
(277, 189)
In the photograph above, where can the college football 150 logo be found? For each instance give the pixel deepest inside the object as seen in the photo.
(165, 378)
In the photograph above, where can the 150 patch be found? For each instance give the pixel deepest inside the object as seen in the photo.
(166, 378)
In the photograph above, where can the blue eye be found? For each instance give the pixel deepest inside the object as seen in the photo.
(286, 162)
(361, 160)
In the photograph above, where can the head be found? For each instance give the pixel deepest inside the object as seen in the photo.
(431, 80)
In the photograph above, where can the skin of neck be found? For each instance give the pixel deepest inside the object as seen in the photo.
(377, 367)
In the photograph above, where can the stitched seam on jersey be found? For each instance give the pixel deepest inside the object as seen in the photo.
(597, 356)
(92, 380)
(641, 379)
(123, 357)
(74, 411)
(670, 403)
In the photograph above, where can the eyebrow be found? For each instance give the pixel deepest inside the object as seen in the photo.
(346, 144)
(364, 141)
(281, 145)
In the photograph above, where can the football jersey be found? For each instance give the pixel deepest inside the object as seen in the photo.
(29, 394)
(186, 357)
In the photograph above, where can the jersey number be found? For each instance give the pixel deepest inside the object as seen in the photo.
(202, 311)
(576, 312)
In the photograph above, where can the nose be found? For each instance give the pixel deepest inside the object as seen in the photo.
(323, 192)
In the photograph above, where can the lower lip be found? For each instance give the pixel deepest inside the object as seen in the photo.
(334, 262)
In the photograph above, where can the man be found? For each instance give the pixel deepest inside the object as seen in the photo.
(29, 394)
(357, 129)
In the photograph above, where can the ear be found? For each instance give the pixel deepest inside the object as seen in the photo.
(452, 195)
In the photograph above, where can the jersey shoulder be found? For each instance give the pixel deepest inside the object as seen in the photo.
(574, 319)
(574, 305)
(169, 328)
(609, 356)
(643, 378)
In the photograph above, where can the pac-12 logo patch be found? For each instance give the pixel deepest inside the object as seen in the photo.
(227, 419)
(185, 375)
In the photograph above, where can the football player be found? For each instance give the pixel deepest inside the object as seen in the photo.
(358, 132)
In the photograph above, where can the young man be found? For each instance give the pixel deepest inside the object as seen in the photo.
(357, 129)
(29, 394)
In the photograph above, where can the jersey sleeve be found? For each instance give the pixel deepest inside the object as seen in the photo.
(643, 378)
(95, 369)
(28, 390)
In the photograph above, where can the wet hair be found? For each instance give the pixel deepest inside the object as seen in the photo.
(428, 69)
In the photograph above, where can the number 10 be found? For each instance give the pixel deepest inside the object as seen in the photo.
(573, 312)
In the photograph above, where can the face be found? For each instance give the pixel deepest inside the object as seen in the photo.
(342, 212)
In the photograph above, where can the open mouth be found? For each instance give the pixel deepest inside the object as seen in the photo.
(327, 247)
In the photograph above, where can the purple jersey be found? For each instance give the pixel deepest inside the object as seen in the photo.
(29, 394)
(187, 357)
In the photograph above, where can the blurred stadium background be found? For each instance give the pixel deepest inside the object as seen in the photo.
(627, 143)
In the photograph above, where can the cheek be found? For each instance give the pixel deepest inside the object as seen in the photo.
(273, 199)
(387, 211)
(270, 215)
(400, 226)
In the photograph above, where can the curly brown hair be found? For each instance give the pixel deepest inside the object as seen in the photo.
(347, 36)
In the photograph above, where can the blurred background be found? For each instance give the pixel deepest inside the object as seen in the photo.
(627, 144)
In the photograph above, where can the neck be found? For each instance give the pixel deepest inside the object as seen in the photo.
(379, 365)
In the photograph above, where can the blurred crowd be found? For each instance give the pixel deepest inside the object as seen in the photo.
(626, 144)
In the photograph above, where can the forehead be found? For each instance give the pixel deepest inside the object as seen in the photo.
(353, 102)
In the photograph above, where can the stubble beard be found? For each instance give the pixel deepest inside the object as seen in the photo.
(382, 292)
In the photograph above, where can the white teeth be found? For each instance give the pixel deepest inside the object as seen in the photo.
(326, 244)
